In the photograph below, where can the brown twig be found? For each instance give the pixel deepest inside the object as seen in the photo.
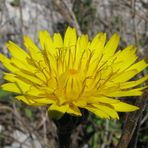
(67, 13)
(131, 122)
(44, 118)
(134, 21)
(21, 22)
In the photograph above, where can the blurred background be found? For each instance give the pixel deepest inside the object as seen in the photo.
(22, 126)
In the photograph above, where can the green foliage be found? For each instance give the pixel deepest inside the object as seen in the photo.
(143, 136)
(141, 43)
(28, 113)
(6, 96)
(85, 14)
(105, 132)
(53, 114)
(15, 3)
(3, 94)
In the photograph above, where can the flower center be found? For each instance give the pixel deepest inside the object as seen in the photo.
(72, 71)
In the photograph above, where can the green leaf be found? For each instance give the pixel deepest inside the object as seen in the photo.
(55, 114)
(15, 3)
(28, 113)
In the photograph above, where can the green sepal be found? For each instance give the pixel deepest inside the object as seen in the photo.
(53, 114)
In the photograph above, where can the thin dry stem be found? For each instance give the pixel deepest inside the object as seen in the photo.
(132, 121)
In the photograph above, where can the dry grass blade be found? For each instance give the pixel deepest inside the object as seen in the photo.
(132, 121)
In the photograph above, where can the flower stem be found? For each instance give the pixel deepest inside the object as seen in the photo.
(65, 127)
(64, 140)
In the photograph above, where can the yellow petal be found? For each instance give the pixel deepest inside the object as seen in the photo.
(41, 92)
(45, 40)
(7, 63)
(121, 62)
(141, 65)
(133, 92)
(22, 64)
(21, 86)
(29, 79)
(70, 37)
(17, 86)
(97, 112)
(81, 103)
(81, 46)
(133, 83)
(101, 99)
(47, 45)
(98, 42)
(25, 100)
(111, 46)
(31, 47)
(12, 87)
(48, 53)
(16, 51)
(9, 77)
(124, 76)
(73, 110)
(124, 107)
(38, 92)
(58, 41)
(35, 53)
(44, 101)
(56, 112)
(61, 108)
(40, 100)
(97, 48)
(108, 109)
(26, 78)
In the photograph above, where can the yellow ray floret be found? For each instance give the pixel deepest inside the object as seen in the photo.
(72, 73)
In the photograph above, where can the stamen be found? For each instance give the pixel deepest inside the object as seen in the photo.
(72, 71)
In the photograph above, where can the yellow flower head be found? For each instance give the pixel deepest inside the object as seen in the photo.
(73, 73)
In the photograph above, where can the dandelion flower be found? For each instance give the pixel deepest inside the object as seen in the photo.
(73, 73)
